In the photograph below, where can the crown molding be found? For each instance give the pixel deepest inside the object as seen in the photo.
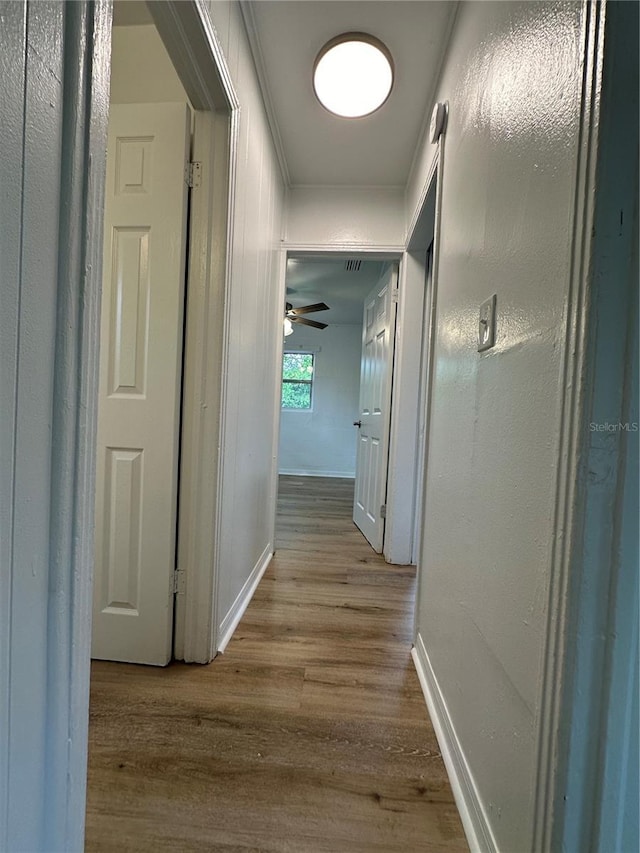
(251, 28)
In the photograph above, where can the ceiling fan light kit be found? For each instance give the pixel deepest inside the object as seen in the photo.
(294, 315)
(353, 75)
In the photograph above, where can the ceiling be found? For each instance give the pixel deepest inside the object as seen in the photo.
(319, 148)
(327, 280)
(315, 147)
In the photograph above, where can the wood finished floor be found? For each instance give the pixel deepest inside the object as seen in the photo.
(309, 735)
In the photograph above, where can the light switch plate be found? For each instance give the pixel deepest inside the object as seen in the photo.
(487, 324)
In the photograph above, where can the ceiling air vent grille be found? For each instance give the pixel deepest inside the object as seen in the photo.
(352, 266)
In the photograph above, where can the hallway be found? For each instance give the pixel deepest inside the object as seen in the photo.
(309, 734)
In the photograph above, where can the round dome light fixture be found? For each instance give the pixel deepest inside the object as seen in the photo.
(353, 75)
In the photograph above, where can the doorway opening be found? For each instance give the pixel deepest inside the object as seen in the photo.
(421, 280)
(420, 276)
(141, 353)
(172, 131)
(337, 424)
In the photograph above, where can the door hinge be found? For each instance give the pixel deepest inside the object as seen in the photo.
(193, 174)
(394, 294)
(179, 582)
(383, 511)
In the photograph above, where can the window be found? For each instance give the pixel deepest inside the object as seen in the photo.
(297, 380)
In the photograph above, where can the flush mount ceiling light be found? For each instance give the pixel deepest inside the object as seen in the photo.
(353, 75)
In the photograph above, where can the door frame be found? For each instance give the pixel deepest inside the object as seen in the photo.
(197, 56)
(46, 610)
(43, 758)
(403, 450)
(420, 303)
(423, 399)
(398, 546)
(396, 503)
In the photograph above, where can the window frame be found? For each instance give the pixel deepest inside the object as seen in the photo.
(309, 382)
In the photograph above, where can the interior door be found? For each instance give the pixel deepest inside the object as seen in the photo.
(376, 374)
(140, 380)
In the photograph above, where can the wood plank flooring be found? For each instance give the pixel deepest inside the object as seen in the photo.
(309, 735)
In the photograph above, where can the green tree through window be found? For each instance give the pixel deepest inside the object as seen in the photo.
(297, 380)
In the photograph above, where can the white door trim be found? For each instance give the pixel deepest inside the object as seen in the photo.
(425, 265)
(197, 56)
(196, 53)
(277, 409)
(387, 252)
(591, 492)
(403, 451)
(52, 233)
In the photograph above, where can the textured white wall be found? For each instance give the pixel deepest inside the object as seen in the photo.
(323, 441)
(335, 216)
(247, 503)
(512, 77)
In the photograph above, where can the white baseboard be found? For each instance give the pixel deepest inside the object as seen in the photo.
(299, 472)
(473, 816)
(236, 611)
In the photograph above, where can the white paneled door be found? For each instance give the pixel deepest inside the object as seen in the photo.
(376, 373)
(140, 380)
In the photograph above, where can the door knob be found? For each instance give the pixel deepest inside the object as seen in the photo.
(357, 423)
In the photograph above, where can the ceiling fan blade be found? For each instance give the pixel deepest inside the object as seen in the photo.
(306, 322)
(308, 309)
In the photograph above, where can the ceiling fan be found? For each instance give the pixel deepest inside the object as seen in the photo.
(294, 314)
